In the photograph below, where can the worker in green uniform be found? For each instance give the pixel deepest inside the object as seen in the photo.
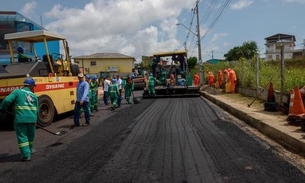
(94, 93)
(26, 113)
(114, 93)
(151, 85)
(20, 55)
(129, 87)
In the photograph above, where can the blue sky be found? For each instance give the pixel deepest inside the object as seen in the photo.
(142, 27)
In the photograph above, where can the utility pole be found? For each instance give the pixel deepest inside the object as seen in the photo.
(282, 74)
(303, 53)
(212, 54)
(199, 47)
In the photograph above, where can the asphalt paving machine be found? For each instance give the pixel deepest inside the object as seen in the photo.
(174, 79)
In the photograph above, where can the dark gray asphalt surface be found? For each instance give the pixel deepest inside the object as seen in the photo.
(163, 140)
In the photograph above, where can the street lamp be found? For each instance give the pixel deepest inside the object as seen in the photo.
(199, 50)
(187, 28)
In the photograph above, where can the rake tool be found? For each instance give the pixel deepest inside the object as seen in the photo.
(60, 133)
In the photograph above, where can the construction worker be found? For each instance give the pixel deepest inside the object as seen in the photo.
(119, 82)
(219, 78)
(228, 85)
(94, 93)
(151, 85)
(26, 114)
(114, 93)
(106, 85)
(211, 78)
(196, 79)
(129, 87)
(88, 80)
(20, 55)
(232, 79)
(82, 101)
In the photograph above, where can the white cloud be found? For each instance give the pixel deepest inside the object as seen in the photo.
(218, 36)
(241, 4)
(29, 8)
(133, 27)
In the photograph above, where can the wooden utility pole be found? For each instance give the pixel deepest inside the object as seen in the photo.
(282, 74)
(199, 47)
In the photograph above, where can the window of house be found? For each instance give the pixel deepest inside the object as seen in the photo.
(269, 57)
(277, 57)
(93, 63)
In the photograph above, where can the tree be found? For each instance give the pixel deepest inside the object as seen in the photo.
(191, 62)
(248, 50)
(233, 54)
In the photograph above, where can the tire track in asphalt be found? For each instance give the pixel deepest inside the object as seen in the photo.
(218, 143)
(199, 164)
(137, 148)
(183, 139)
(165, 147)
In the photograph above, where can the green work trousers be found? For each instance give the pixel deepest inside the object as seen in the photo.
(114, 101)
(25, 136)
(93, 101)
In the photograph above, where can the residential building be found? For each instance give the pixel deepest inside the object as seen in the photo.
(275, 43)
(103, 64)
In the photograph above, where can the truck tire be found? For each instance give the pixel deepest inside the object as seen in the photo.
(46, 111)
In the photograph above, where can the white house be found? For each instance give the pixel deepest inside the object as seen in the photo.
(276, 42)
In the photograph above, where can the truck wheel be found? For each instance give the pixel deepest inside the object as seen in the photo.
(46, 111)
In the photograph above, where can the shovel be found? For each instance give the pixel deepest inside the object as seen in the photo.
(60, 133)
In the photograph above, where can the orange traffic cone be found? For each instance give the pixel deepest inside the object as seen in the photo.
(291, 101)
(298, 106)
(271, 97)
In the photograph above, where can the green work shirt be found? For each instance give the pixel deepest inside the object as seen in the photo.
(25, 105)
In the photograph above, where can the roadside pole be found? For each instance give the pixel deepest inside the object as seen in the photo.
(201, 76)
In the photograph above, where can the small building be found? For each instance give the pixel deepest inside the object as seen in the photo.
(213, 61)
(104, 64)
(275, 43)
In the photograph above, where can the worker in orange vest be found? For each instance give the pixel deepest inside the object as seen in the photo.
(232, 79)
(211, 78)
(228, 85)
(219, 78)
(196, 79)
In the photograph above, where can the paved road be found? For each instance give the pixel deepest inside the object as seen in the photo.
(163, 140)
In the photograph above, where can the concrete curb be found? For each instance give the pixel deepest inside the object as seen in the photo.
(282, 137)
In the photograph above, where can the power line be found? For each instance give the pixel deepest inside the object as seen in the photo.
(219, 13)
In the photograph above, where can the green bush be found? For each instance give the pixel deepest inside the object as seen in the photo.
(269, 71)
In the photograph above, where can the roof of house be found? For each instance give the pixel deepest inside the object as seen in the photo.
(298, 50)
(213, 61)
(280, 36)
(103, 55)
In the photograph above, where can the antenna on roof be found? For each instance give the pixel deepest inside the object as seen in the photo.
(41, 21)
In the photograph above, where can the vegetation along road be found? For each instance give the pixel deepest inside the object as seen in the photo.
(158, 140)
